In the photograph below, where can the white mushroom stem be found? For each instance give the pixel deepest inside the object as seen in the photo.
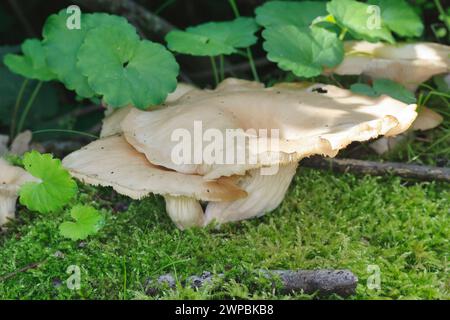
(265, 193)
(7, 207)
(11, 178)
(185, 212)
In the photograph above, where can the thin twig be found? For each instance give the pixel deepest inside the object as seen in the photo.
(405, 170)
(324, 282)
(151, 24)
(33, 265)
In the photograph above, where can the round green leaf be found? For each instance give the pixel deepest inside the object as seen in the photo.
(55, 189)
(363, 89)
(125, 70)
(300, 14)
(87, 222)
(387, 87)
(214, 38)
(304, 51)
(359, 20)
(400, 17)
(63, 44)
(395, 90)
(32, 64)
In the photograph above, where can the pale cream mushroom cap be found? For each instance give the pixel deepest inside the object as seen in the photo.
(114, 163)
(11, 178)
(113, 118)
(309, 122)
(408, 64)
(427, 119)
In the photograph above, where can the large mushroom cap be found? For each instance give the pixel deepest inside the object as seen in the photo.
(320, 120)
(113, 118)
(114, 163)
(408, 64)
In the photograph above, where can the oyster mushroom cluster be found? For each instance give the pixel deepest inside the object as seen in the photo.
(135, 154)
(408, 63)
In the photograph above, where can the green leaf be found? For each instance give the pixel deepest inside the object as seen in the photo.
(214, 38)
(363, 89)
(63, 44)
(55, 189)
(300, 14)
(32, 64)
(395, 90)
(304, 51)
(387, 87)
(360, 20)
(400, 17)
(125, 70)
(88, 221)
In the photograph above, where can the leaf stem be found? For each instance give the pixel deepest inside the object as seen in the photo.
(27, 109)
(214, 67)
(252, 65)
(343, 33)
(443, 14)
(249, 54)
(66, 131)
(222, 69)
(234, 8)
(16, 108)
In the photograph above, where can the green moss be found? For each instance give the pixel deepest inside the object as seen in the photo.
(326, 221)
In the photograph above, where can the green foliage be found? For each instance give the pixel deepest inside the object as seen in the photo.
(359, 20)
(55, 188)
(401, 227)
(96, 62)
(63, 44)
(279, 13)
(387, 87)
(32, 64)
(214, 38)
(304, 51)
(88, 221)
(400, 17)
(134, 72)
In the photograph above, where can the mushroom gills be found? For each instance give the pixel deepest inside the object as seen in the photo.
(265, 193)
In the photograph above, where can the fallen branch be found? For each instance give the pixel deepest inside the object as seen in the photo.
(322, 282)
(412, 171)
(148, 22)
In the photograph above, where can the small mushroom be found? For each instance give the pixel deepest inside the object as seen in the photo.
(427, 119)
(114, 163)
(409, 64)
(11, 178)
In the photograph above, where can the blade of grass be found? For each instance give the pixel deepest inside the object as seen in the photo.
(27, 109)
(16, 108)
(214, 67)
(248, 51)
(66, 131)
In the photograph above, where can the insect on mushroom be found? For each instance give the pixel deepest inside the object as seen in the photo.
(317, 119)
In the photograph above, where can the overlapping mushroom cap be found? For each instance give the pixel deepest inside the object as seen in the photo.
(318, 119)
(408, 64)
(321, 119)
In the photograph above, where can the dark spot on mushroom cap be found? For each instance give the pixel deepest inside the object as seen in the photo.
(320, 90)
